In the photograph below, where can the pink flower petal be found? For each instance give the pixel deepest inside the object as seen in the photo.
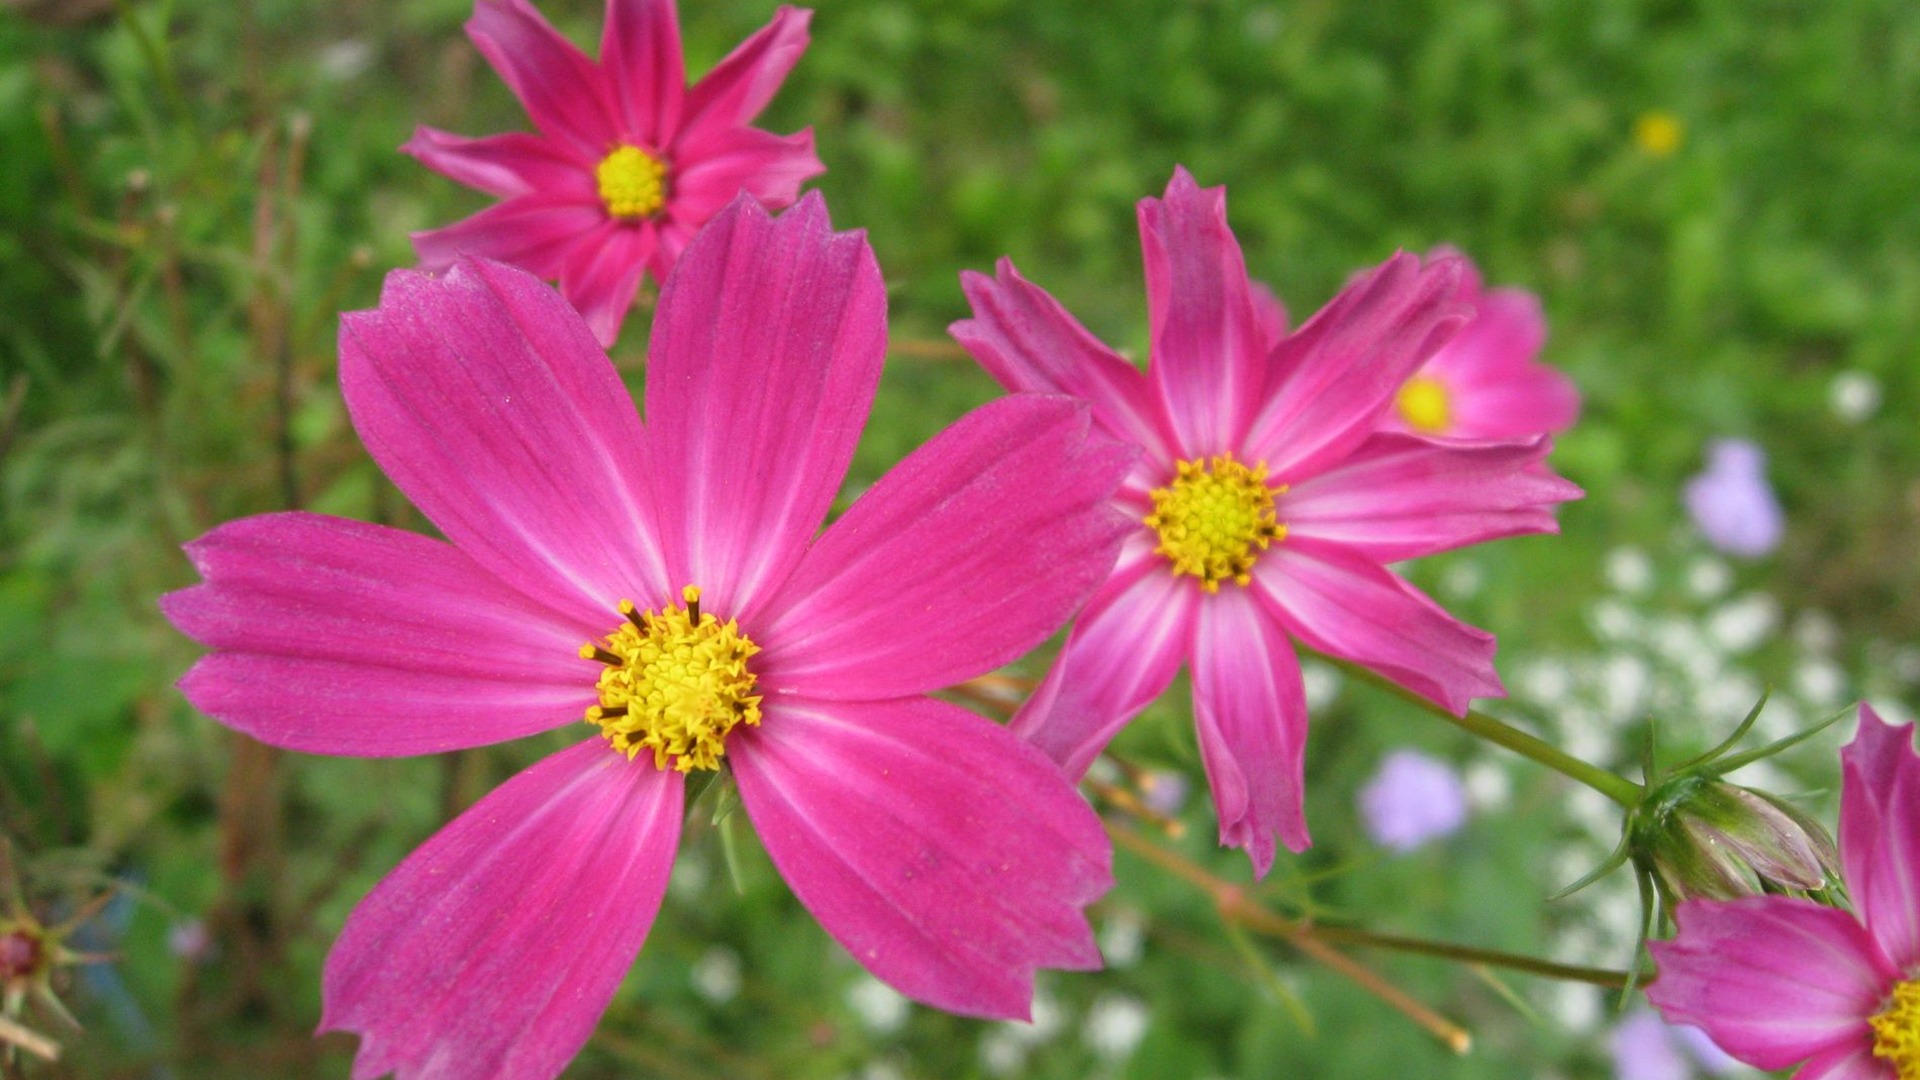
(1270, 313)
(1124, 650)
(536, 232)
(1401, 497)
(494, 948)
(1330, 381)
(487, 402)
(504, 165)
(1880, 834)
(564, 93)
(1497, 389)
(1347, 605)
(604, 272)
(765, 354)
(1250, 708)
(1878, 752)
(1771, 980)
(1027, 341)
(1500, 340)
(337, 637)
(640, 58)
(1208, 341)
(738, 87)
(963, 557)
(1849, 1061)
(947, 856)
(714, 169)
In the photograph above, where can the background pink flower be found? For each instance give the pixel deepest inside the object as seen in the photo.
(1266, 504)
(949, 857)
(628, 161)
(1487, 382)
(1777, 981)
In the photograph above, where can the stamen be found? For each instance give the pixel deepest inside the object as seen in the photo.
(1425, 405)
(678, 684)
(595, 652)
(632, 182)
(1896, 1030)
(1215, 518)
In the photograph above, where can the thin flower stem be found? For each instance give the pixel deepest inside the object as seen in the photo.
(1614, 786)
(1446, 950)
(1451, 1035)
(1125, 801)
(1252, 915)
(1240, 909)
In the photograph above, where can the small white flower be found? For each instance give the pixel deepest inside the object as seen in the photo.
(1854, 396)
(1629, 570)
(1709, 578)
(1115, 1025)
(881, 1008)
(716, 975)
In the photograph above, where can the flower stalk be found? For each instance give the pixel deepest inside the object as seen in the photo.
(1614, 786)
(1238, 907)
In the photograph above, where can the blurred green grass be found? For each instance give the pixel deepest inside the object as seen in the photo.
(194, 190)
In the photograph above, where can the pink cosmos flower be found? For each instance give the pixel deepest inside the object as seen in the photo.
(629, 161)
(1266, 507)
(1776, 980)
(950, 858)
(1487, 383)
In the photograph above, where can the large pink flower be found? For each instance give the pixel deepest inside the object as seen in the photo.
(629, 161)
(1777, 981)
(948, 856)
(1265, 505)
(1487, 382)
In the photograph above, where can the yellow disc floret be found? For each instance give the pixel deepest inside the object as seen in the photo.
(676, 682)
(1424, 405)
(633, 183)
(1215, 518)
(1896, 1031)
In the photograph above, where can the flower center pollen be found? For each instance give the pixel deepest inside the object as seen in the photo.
(1424, 405)
(1896, 1031)
(1215, 519)
(633, 183)
(676, 682)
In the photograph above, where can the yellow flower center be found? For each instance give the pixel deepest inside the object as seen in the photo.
(1215, 519)
(1424, 405)
(633, 183)
(1896, 1031)
(1658, 134)
(676, 683)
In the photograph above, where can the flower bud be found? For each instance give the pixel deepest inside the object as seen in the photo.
(1703, 838)
(21, 955)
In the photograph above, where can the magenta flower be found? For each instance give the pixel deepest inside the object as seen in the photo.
(629, 161)
(1487, 383)
(950, 858)
(1266, 506)
(1778, 980)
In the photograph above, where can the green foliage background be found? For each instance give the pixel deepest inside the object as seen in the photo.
(193, 190)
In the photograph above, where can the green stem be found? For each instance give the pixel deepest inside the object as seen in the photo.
(1613, 786)
(1606, 977)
